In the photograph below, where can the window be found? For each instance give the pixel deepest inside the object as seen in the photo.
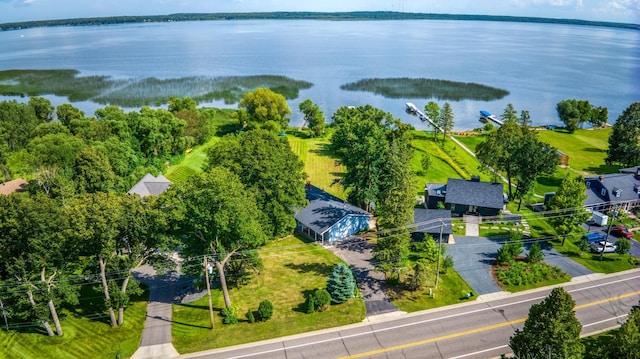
(603, 192)
(588, 184)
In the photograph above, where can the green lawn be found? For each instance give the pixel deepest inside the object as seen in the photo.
(319, 162)
(586, 149)
(83, 337)
(451, 290)
(293, 268)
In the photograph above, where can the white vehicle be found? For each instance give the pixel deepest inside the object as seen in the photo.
(597, 247)
(600, 219)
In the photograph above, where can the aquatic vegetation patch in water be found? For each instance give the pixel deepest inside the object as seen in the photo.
(405, 87)
(140, 92)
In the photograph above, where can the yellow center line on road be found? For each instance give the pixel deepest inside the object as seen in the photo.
(477, 330)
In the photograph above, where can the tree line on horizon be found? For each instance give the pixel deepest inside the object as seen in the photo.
(354, 15)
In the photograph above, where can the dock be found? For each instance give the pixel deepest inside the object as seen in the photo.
(486, 116)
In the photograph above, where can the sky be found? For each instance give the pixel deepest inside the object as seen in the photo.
(627, 11)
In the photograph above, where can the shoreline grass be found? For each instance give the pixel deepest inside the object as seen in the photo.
(132, 92)
(442, 90)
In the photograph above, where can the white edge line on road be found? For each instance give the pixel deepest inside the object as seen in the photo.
(479, 352)
(606, 320)
(373, 331)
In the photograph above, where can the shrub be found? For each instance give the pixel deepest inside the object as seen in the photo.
(447, 263)
(535, 254)
(250, 317)
(265, 310)
(229, 316)
(504, 256)
(341, 283)
(321, 299)
(309, 305)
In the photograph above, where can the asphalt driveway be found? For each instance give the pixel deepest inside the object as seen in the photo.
(473, 257)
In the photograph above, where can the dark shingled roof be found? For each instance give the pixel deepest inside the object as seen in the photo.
(626, 183)
(429, 220)
(473, 193)
(325, 210)
(436, 189)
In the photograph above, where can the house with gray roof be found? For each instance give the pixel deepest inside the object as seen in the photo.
(432, 222)
(617, 190)
(328, 219)
(466, 196)
(150, 185)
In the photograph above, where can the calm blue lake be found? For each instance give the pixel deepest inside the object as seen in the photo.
(539, 64)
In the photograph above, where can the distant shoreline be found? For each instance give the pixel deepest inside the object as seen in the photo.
(329, 16)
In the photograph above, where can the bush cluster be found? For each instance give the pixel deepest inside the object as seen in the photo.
(317, 301)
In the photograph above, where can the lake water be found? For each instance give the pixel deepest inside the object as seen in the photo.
(539, 64)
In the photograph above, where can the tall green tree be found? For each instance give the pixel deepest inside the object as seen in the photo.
(263, 105)
(92, 171)
(17, 124)
(447, 119)
(551, 330)
(599, 116)
(38, 256)
(58, 149)
(373, 145)
(624, 140)
(525, 119)
(391, 253)
(67, 112)
(216, 218)
(497, 151)
(42, 108)
(531, 158)
(432, 110)
(566, 210)
(509, 113)
(269, 169)
(313, 116)
(626, 341)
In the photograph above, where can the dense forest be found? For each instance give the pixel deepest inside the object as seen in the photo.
(356, 15)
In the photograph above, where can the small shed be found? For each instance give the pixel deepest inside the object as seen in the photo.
(328, 219)
(563, 159)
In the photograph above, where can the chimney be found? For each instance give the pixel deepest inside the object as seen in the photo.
(637, 173)
(601, 178)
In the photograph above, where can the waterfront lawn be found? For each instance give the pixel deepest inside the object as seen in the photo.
(293, 268)
(85, 335)
(320, 163)
(586, 149)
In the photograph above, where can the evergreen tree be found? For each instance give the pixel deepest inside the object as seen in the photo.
(341, 284)
(551, 330)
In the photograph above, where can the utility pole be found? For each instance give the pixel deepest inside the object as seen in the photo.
(606, 238)
(439, 251)
(4, 314)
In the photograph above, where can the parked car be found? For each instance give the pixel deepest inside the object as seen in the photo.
(608, 247)
(621, 231)
(594, 237)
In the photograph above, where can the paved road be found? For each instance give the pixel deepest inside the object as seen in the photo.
(479, 329)
(358, 252)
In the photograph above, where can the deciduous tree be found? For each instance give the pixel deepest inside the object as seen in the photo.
(263, 105)
(313, 116)
(624, 140)
(216, 218)
(269, 169)
(432, 110)
(566, 207)
(551, 330)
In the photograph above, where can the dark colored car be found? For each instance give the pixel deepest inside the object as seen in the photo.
(621, 231)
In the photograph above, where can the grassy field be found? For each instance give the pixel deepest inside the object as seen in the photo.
(319, 162)
(293, 268)
(83, 337)
(586, 149)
